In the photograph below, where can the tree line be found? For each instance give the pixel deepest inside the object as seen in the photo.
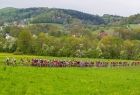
(76, 41)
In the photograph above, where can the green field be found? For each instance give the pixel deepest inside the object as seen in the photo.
(20, 80)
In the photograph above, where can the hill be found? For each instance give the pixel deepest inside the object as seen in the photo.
(113, 19)
(47, 15)
(134, 19)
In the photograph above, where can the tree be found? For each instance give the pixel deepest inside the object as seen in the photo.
(25, 41)
(123, 33)
(10, 44)
(77, 28)
(136, 34)
(110, 47)
(41, 43)
(131, 49)
(2, 41)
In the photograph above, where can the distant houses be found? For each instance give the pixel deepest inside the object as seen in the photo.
(21, 23)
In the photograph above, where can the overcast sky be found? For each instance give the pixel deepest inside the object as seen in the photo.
(100, 7)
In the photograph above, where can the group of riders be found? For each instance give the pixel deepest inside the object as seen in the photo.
(58, 63)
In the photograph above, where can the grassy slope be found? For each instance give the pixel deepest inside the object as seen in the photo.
(68, 81)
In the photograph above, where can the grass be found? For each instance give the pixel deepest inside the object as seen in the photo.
(68, 81)
(4, 55)
(135, 26)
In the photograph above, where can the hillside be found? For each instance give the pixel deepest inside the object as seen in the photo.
(134, 19)
(113, 19)
(47, 15)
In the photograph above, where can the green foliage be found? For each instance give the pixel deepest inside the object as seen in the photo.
(124, 33)
(113, 19)
(12, 30)
(47, 15)
(68, 33)
(25, 41)
(110, 47)
(79, 41)
(136, 34)
(10, 44)
(61, 16)
(131, 49)
(134, 19)
(2, 40)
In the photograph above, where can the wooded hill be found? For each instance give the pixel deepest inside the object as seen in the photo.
(61, 16)
(47, 15)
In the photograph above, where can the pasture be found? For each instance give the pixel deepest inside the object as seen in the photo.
(22, 80)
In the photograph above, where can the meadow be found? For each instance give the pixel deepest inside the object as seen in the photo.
(22, 80)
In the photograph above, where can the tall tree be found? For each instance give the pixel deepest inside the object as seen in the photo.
(110, 47)
(25, 41)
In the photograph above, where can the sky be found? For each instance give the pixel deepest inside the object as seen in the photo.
(99, 7)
